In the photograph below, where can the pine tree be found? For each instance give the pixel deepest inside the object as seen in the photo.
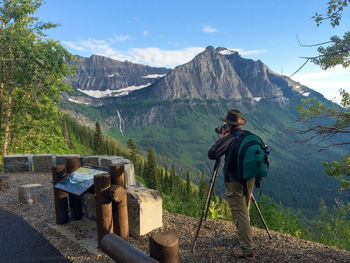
(134, 153)
(166, 181)
(151, 170)
(203, 188)
(188, 186)
(162, 179)
(98, 140)
(172, 178)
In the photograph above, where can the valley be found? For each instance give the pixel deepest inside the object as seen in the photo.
(176, 115)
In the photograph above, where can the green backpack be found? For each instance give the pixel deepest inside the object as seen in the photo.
(248, 158)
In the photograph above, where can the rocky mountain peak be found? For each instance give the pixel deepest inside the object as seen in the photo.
(221, 73)
(99, 76)
(215, 73)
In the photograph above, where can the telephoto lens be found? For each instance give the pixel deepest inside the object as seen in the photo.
(219, 128)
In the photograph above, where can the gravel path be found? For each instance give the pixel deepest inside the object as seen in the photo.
(215, 243)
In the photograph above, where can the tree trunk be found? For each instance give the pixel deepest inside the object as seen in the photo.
(9, 104)
(7, 124)
(2, 85)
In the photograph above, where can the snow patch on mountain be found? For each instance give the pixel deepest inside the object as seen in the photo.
(154, 76)
(78, 102)
(113, 93)
(226, 52)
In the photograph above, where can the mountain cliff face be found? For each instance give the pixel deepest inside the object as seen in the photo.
(175, 112)
(213, 74)
(223, 74)
(207, 76)
(98, 73)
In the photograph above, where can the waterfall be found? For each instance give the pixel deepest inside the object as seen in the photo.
(120, 122)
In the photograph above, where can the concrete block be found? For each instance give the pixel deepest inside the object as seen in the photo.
(30, 193)
(144, 209)
(109, 160)
(92, 160)
(18, 163)
(4, 183)
(43, 162)
(130, 178)
(89, 206)
(61, 159)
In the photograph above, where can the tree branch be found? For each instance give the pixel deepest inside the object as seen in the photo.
(312, 45)
(307, 60)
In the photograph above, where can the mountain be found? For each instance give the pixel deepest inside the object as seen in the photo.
(176, 114)
(224, 74)
(99, 77)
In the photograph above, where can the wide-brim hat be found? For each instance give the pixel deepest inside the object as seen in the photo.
(234, 117)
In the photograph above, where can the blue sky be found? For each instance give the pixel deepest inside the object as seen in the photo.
(170, 33)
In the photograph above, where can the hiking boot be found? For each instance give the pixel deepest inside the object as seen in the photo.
(238, 252)
(251, 256)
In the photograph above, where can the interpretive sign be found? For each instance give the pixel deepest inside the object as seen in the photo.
(79, 181)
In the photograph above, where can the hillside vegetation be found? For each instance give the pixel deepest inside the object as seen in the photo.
(32, 79)
(330, 227)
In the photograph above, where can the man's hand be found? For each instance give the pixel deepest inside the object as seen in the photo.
(224, 133)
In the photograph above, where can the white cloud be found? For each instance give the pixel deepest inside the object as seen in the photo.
(327, 82)
(121, 38)
(244, 52)
(94, 46)
(209, 29)
(151, 56)
(145, 33)
(74, 45)
(162, 58)
(137, 19)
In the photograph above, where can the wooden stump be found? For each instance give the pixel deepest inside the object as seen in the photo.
(120, 209)
(61, 197)
(164, 247)
(30, 193)
(104, 219)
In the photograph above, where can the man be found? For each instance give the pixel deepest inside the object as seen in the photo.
(238, 201)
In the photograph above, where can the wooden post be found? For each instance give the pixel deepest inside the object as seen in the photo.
(164, 247)
(122, 251)
(75, 203)
(61, 197)
(72, 164)
(120, 209)
(104, 219)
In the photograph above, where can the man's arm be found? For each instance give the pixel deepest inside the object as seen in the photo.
(220, 147)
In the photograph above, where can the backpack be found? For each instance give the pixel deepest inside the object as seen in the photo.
(248, 158)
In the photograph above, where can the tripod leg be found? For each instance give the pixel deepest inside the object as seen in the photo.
(206, 204)
(211, 192)
(261, 216)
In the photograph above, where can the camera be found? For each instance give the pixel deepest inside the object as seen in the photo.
(221, 128)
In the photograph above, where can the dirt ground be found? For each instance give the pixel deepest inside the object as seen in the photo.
(215, 242)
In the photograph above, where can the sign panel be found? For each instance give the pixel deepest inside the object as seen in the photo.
(79, 181)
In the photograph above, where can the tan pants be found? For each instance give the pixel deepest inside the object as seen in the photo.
(239, 205)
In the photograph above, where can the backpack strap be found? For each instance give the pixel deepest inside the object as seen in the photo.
(235, 147)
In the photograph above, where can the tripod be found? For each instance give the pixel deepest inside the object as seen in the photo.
(207, 201)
